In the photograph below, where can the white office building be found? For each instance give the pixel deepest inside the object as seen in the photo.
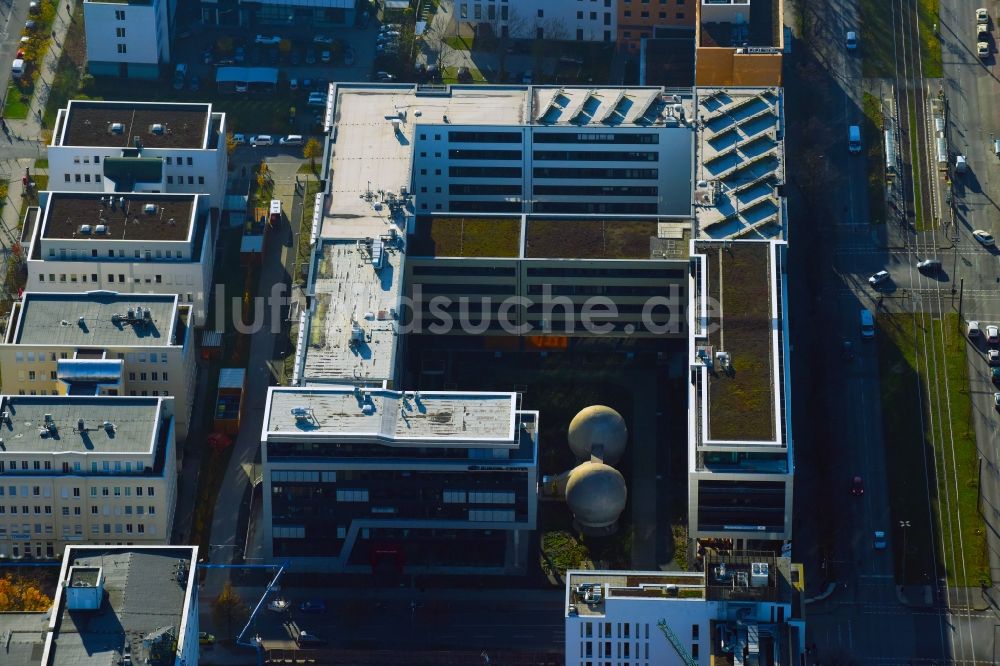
(129, 243)
(101, 343)
(153, 147)
(128, 39)
(745, 609)
(78, 469)
(543, 19)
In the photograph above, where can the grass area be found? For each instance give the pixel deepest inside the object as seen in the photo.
(918, 192)
(66, 84)
(908, 441)
(459, 43)
(873, 138)
(41, 184)
(930, 44)
(466, 237)
(304, 249)
(42, 163)
(450, 75)
(679, 535)
(15, 105)
(589, 239)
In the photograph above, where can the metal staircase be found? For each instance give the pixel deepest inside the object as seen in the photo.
(676, 643)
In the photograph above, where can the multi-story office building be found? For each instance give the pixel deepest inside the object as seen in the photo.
(129, 39)
(739, 42)
(124, 604)
(278, 14)
(357, 479)
(740, 453)
(541, 19)
(638, 19)
(139, 146)
(130, 243)
(101, 343)
(85, 469)
(746, 608)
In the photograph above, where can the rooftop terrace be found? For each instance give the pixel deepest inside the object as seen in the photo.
(352, 329)
(740, 163)
(391, 417)
(466, 237)
(741, 400)
(605, 239)
(650, 585)
(144, 607)
(157, 124)
(134, 424)
(720, 26)
(93, 318)
(171, 217)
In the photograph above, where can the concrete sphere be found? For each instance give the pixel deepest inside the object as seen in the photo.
(598, 426)
(596, 494)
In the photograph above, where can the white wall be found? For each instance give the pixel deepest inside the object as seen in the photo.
(558, 20)
(146, 38)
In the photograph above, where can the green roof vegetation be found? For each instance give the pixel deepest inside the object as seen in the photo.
(590, 239)
(740, 401)
(466, 237)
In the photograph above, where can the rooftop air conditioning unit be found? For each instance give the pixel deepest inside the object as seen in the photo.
(84, 228)
(157, 128)
(101, 229)
(149, 209)
(117, 128)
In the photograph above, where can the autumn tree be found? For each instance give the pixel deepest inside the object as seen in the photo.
(20, 594)
(311, 151)
(228, 608)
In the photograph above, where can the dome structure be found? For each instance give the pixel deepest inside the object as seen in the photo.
(596, 495)
(598, 430)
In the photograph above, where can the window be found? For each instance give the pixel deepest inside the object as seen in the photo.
(694, 650)
(76, 177)
(120, 32)
(579, 15)
(663, 15)
(149, 491)
(170, 161)
(628, 14)
(694, 632)
(170, 179)
(93, 510)
(190, 180)
(607, 18)
(593, 16)
(66, 176)
(541, 13)
(201, 180)
(644, 14)
(121, 48)
(579, 34)
(119, 14)
(190, 161)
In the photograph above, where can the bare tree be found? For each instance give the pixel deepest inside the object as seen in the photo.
(503, 30)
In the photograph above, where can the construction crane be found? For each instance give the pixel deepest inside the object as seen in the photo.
(675, 642)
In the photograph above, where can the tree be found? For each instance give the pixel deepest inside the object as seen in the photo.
(230, 143)
(228, 608)
(21, 594)
(503, 33)
(311, 151)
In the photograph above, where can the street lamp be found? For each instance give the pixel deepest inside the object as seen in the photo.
(904, 525)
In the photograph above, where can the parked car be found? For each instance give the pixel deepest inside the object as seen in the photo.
(857, 486)
(316, 99)
(269, 40)
(207, 56)
(995, 375)
(348, 56)
(527, 77)
(322, 39)
(33, 7)
(386, 35)
(195, 83)
(996, 401)
(325, 56)
(879, 542)
(239, 54)
(464, 75)
(852, 40)
(879, 278)
(261, 140)
(295, 57)
(384, 77)
(984, 237)
(239, 138)
(993, 357)
(313, 605)
(929, 266)
(972, 330)
(390, 27)
(983, 49)
(30, 24)
(982, 15)
(293, 84)
(279, 605)
(241, 87)
(205, 638)
(992, 335)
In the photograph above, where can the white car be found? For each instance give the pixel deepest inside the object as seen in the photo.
(992, 335)
(982, 16)
(996, 400)
(878, 278)
(292, 140)
(993, 357)
(982, 49)
(984, 237)
(269, 40)
(852, 40)
(879, 542)
(973, 329)
(322, 39)
(278, 605)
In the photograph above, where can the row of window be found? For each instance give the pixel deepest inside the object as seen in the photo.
(97, 178)
(136, 254)
(646, 2)
(84, 178)
(17, 529)
(108, 392)
(645, 14)
(130, 357)
(593, 17)
(106, 491)
(47, 510)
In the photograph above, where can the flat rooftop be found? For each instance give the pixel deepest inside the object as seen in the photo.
(171, 217)
(369, 155)
(91, 123)
(54, 319)
(762, 28)
(134, 420)
(606, 239)
(605, 107)
(652, 585)
(349, 290)
(145, 591)
(342, 412)
(740, 163)
(741, 403)
(466, 237)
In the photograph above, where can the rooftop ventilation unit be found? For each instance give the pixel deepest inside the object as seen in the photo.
(84, 228)
(759, 574)
(101, 229)
(149, 209)
(157, 128)
(108, 426)
(116, 128)
(301, 413)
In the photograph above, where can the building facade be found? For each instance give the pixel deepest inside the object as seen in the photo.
(276, 14)
(638, 19)
(739, 43)
(125, 603)
(361, 480)
(148, 147)
(101, 343)
(129, 243)
(541, 19)
(78, 469)
(128, 39)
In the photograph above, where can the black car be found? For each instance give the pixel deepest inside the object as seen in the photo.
(307, 640)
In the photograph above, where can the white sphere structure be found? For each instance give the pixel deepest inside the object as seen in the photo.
(596, 495)
(600, 431)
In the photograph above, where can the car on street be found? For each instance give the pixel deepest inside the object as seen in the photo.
(205, 638)
(867, 324)
(996, 401)
(19, 54)
(993, 357)
(387, 35)
(982, 33)
(313, 605)
(982, 15)
(293, 84)
(985, 238)
(879, 278)
(384, 77)
(992, 335)
(325, 56)
(322, 39)
(972, 329)
(225, 61)
(348, 56)
(390, 27)
(261, 140)
(269, 40)
(30, 24)
(307, 640)
(279, 605)
(995, 375)
(857, 486)
(316, 99)
(983, 49)
(33, 7)
(852, 40)
(878, 541)
(929, 266)
(241, 87)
